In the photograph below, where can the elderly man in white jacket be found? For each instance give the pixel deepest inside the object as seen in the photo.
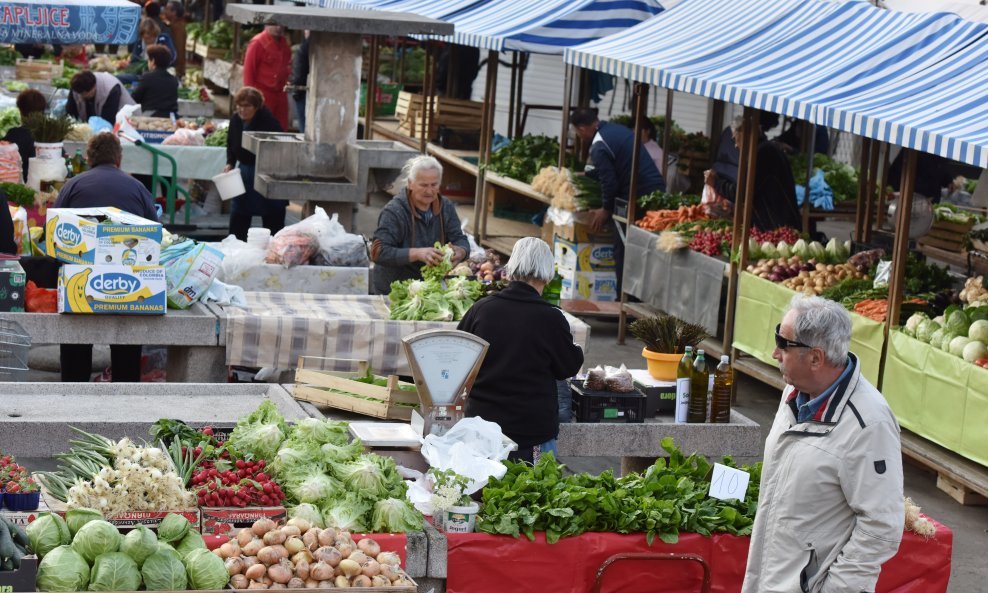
(830, 511)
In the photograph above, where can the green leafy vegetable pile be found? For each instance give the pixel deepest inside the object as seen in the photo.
(524, 157)
(319, 467)
(220, 35)
(668, 498)
(8, 56)
(842, 179)
(433, 298)
(21, 195)
(661, 200)
(217, 138)
(9, 118)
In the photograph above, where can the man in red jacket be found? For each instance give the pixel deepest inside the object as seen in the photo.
(267, 65)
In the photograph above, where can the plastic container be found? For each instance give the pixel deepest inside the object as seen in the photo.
(662, 366)
(607, 406)
(461, 519)
(259, 237)
(230, 184)
(48, 150)
(22, 502)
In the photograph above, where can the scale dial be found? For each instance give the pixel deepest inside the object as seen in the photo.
(444, 362)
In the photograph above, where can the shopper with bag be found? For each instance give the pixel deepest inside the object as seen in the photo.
(251, 116)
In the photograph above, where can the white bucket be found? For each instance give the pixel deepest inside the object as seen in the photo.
(258, 237)
(48, 150)
(230, 184)
(461, 519)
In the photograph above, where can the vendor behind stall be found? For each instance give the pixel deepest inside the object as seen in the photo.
(29, 101)
(157, 92)
(412, 223)
(251, 116)
(104, 185)
(96, 93)
(531, 347)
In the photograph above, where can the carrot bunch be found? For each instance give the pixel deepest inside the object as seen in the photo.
(877, 309)
(660, 220)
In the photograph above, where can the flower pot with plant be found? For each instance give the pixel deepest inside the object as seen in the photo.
(49, 133)
(452, 509)
(666, 338)
(20, 491)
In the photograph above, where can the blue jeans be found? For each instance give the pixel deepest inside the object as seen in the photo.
(565, 401)
(300, 109)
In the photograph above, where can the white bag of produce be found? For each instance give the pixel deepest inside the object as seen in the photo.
(473, 448)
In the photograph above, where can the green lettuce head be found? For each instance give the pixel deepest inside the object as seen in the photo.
(63, 569)
(115, 571)
(96, 538)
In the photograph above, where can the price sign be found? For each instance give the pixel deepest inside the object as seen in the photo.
(728, 483)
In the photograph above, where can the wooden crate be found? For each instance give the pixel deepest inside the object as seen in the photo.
(949, 236)
(452, 113)
(210, 53)
(337, 390)
(37, 70)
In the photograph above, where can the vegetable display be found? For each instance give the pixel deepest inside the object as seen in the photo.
(9, 118)
(668, 498)
(98, 558)
(842, 178)
(302, 555)
(660, 220)
(434, 298)
(14, 545)
(567, 190)
(524, 157)
(662, 200)
(962, 332)
(218, 138)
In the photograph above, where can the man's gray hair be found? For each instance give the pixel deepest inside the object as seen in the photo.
(531, 259)
(822, 323)
(736, 123)
(417, 164)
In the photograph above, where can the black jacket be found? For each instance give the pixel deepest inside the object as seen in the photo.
(264, 121)
(22, 137)
(775, 190)
(7, 243)
(531, 347)
(300, 68)
(157, 92)
(610, 164)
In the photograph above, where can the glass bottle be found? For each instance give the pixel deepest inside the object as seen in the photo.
(683, 374)
(720, 400)
(553, 290)
(78, 163)
(699, 383)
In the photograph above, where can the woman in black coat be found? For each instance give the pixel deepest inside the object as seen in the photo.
(251, 116)
(531, 347)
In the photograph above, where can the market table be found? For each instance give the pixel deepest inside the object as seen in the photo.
(194, 162)
(303, 279)
(190, 335)
(684, 283)
(478, 563)
(276, 328)
(760, 307)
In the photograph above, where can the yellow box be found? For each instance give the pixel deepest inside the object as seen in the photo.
(102, 236)
(583, 257)
(112, 289)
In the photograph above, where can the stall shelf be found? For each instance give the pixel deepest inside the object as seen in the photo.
(761, 305)
(938, 396)
(276, 328)
(505, 197)
(476, 563)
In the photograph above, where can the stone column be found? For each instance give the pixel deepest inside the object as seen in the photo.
(332, 102)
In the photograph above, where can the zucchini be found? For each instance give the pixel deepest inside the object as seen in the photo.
(6, 542)
(19, 536)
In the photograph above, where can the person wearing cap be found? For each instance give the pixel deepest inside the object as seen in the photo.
(531, 347)
(267, 66)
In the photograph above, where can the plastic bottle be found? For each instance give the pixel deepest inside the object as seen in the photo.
(553, 289)
(683, 373)
(699, 382)
(720, 400)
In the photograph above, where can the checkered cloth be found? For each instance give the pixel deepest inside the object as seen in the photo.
(276, 328)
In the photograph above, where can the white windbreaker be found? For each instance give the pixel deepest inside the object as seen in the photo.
(830, 509)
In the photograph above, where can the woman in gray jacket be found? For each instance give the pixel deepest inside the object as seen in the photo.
(412, 223)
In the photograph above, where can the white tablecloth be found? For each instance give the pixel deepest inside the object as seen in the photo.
(194, 162)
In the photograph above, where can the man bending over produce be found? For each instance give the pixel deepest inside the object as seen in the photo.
(831, 511)
(96, 93)
(412, 223)
(611, 146)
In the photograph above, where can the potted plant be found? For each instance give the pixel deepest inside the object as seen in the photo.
(20, 491)
(452, 510)
(666, 338)
(49, 133)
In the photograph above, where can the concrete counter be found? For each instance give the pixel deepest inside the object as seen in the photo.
(35, 417)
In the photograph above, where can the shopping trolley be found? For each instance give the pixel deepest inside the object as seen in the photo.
(14, 346)
(661, 556)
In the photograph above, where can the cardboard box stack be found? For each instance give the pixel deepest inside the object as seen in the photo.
(586, 262)
(111, 261)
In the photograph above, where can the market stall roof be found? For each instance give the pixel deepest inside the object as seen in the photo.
(545, 26)
(429, 8)
(814, 59)
(68, 22)
(970, 10)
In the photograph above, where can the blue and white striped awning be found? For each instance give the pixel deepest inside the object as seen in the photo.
(812, 59)
(545, 26)
(428, 8)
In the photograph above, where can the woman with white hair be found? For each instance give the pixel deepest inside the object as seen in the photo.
(531, 347)
(412, 223)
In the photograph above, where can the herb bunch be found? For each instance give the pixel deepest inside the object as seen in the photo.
(666, 334)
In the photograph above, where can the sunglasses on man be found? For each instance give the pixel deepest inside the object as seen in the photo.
(785, 343)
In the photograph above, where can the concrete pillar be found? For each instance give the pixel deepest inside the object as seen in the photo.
(332, 102)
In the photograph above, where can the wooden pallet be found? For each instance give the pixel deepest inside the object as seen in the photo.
(961, 479)
(451, 113)
(36, 70)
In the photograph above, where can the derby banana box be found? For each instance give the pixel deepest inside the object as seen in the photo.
(112, 289)
(102, 236)
(583, 257)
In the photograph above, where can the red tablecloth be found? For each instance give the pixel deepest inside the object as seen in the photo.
(389, 542)
(478, 563)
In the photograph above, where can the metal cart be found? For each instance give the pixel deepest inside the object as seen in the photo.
(172, 188)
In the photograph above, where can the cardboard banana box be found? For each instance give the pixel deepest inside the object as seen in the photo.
(102, 236)
(112, 289)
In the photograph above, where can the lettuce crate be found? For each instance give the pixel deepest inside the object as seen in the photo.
(338, 390)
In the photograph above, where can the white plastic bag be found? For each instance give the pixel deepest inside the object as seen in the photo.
(185, 137)
(336, 246)
(238, 258)
(473, 448)
(222, 293)
(124, 128)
